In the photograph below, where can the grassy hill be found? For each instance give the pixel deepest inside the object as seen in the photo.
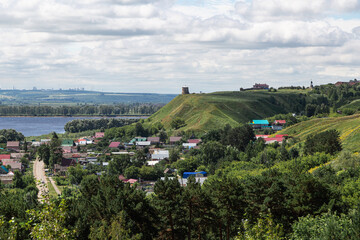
(203, 112)
(348, 127)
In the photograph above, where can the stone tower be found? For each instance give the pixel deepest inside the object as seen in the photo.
(185, 90)
(311, 85)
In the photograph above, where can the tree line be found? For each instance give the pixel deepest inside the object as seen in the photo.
(80, 125)
(82, 110)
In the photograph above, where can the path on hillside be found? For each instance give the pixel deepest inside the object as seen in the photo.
(57, 190)
(41, 181)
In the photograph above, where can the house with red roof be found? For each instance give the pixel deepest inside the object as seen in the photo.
(99, 134)
(196, 141)
(114, 144)
(5, 156)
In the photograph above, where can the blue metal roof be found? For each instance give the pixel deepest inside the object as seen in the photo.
(260, 122)
(5, 169)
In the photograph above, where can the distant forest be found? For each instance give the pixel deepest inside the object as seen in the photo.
(82, 110)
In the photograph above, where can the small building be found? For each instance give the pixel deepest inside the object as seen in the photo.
(197, 141)
(99, 134)
(114, 144)
(45, 141)
(36, 144)
(189, 145)
(67, 143)
(143, 143)
(64, 165)
(153, 140)
(82, 141)
(260, 124)
(13, 145)
(138, 139)
(174, 140)
(15, 165)
(272, 140)
(195, 174)
(17, 155)
(280, 122)
(160, 155)
(152, 163)
(5, 156)
(260, 86)
(261, 136)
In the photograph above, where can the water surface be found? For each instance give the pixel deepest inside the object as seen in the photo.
(36, 126)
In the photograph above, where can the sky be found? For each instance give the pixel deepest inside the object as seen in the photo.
(158, 46)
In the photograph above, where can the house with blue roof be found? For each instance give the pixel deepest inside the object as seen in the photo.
(195, 174)
(260, 124)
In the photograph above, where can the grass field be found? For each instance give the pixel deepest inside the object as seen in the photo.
(203, 112)
(348, 127)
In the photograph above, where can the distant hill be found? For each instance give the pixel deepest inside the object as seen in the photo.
(203, 112)
(348, 127)
(71, 97)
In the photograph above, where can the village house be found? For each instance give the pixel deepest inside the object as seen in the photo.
(67, 143)
(143, 144)
(35, 144)
(82, 141)
(13, 145)
(277, 138)
(196, 141)
(62, 168)
(114, 145)
(259, 86)
(261, 136)
(17, 155)
(350, 83)
(45, 141)
(153, 140)
(6, 176)
(138, 139)
(260, 124)
(5, 156)
(278, 125)
(99, 134)
(160, 154)
(15, 165)
(174, 140)
(189, 145)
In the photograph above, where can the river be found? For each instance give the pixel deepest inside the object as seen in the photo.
(36, 126)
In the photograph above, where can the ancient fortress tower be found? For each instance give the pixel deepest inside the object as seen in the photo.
(185, 90)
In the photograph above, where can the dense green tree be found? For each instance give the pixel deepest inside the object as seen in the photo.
(328, 142)
(169, 203)
(118, 164)
(177, 123)
(76, 174)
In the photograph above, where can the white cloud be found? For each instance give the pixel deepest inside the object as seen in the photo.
(159, 45)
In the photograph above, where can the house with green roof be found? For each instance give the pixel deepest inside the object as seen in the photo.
(67, 143)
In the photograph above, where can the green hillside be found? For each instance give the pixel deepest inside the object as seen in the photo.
(354, 105)
(203, 112)
(348, 127)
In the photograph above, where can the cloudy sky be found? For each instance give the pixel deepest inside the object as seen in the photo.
(160, 45)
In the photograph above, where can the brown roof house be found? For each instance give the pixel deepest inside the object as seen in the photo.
(153, 140)
(14, 145)
(174, 140)
(63, 167)
(15, 165)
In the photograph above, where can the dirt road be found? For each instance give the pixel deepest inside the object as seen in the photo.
(41, 181)
(54, 185)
